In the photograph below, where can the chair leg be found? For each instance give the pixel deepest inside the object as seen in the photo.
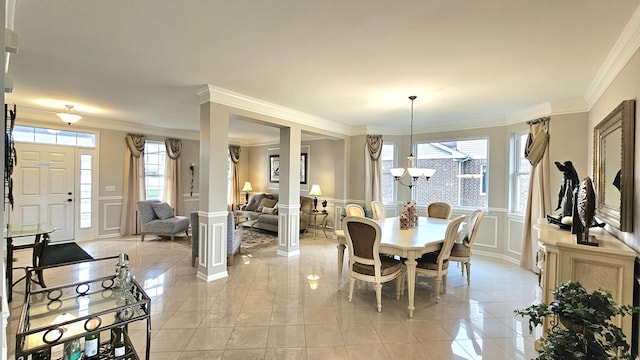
(461, 265)
(352, 281)
(379, 296)
(468, 265)
(437, 286)
(193, 261)
(444, 282)
(142, 236)
(399, 286)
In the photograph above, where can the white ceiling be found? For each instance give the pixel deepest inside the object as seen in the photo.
(471, 63)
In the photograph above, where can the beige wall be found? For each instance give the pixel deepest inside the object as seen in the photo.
(625, 86)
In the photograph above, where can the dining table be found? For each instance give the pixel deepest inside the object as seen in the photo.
(427, 236)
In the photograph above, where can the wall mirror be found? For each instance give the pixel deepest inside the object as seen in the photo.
(613, 156)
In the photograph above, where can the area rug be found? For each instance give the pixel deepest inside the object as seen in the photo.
(256, 239)
(252, 240)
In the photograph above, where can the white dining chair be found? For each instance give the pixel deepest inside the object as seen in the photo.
(379, 212)
(354, 210)
(439, 209)
(461, 252)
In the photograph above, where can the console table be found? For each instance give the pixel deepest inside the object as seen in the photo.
(40, 232)
(609, 266)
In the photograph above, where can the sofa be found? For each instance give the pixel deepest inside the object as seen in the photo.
(262, 211)
(158, 218)
(234, 237)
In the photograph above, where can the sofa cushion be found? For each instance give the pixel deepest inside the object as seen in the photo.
(163, 210)
(266, 202)
(269, 210)
(254, 202)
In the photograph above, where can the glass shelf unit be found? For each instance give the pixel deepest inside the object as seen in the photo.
(55, 315)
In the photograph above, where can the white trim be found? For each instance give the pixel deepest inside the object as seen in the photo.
(495, 233)
(510, 220)
(218, 276)
(109, 236)
(210, 93)
(288, 254)
(109, 198)
(627, 44)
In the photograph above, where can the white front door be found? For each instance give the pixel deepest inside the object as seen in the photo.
(43, 188)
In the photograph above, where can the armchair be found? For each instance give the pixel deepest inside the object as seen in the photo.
(234, 237)
(158, 218)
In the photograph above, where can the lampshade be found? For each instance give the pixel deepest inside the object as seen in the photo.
(68, 116)
(315, 190)
(247, 186)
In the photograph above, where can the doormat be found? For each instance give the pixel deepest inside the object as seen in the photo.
(63, 253)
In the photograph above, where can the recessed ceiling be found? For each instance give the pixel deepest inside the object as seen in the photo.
(348, 62)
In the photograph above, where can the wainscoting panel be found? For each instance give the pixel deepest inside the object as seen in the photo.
(514, 235)
(487, 237)
(111, 212)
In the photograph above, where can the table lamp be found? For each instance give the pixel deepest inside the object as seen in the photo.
(246, 188)
(315, 191)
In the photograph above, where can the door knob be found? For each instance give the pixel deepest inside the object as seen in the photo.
(69, 200)
(69, 193)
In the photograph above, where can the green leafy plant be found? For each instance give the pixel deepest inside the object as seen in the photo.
(587, 331)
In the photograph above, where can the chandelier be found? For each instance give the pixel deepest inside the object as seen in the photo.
(412, 172)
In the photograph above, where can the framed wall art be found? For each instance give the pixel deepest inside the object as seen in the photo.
(274, 168)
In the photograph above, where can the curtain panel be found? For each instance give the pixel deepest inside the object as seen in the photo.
(173, 175)
(538, 202)
(133, 185)
(234, 153)
(373, 168)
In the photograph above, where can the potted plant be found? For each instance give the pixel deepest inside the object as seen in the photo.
(587, 331)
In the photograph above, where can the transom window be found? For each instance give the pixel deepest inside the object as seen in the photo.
(461, 172)
(53, 136)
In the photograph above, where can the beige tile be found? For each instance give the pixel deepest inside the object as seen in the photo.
(368, 352)
(287, 316)
(286, 354)
(254, 317)
(249, 337)
(327, 352)
(246, 354)
(357, 334)
(323, 335)
(185, 320)
(171, 339)
(286, 336)
(201, 355)
(209, 338)
(410, 351)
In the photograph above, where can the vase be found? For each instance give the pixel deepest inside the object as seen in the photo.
(572, 325)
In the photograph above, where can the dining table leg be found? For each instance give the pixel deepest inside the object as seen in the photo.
(341, 248)
(411, 281)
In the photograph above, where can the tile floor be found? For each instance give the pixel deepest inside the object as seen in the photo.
(267, 309)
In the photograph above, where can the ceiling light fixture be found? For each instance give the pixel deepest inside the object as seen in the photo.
(414, 172)
(68, 116)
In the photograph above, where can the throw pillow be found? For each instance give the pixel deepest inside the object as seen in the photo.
(163, 210)
(266, 202)
(268, 210)
(254, 202)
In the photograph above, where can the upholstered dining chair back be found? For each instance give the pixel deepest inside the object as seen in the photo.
(461, 252)
(379, 212)
(354, 210)
(439, 209)
(436, 264)
(365, 263)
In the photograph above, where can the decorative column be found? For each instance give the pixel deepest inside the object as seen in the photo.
(212, 214)
(289, 197)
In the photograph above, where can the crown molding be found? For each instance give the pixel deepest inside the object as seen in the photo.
(627, 44)
(210, 93)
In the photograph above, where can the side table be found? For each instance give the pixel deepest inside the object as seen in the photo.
(323, 221)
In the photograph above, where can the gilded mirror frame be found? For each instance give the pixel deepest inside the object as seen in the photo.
(620, 122)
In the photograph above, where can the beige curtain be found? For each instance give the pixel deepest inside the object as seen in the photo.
(173, 175)
(373, 167)
(539, 202)
(234, 152)
(133, 184)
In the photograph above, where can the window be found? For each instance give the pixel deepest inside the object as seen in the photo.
(85, 190)
(461, 172)
(229, 180)
(53, 136)
(387, 159)
(521, 169)
(155, 154)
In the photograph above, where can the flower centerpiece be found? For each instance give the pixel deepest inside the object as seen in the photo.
(408, 216)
